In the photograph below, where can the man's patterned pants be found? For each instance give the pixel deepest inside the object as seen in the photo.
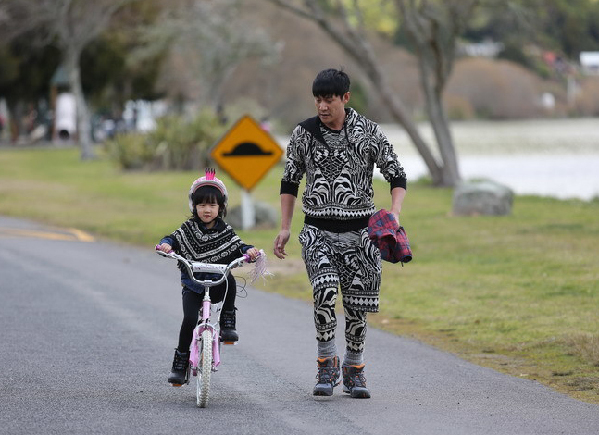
(348, 261)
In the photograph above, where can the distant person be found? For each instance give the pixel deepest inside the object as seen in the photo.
(134, 119)
(110, 128)
(265, 124)
(337, 151)
(220, 115)
(205, 237)
(30, 120)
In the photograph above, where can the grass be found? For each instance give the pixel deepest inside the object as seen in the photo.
(517, 293)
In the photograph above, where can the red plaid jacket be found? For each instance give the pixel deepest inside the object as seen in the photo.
(389, 237)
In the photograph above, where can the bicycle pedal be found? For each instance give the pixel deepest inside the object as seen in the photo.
(230, 343)
(177, 385)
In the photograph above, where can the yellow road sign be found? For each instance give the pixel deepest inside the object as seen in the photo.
(247, 152)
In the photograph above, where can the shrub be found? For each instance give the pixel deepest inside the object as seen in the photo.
(176, 143)
(130, 150)
(458, 107)
(496, 89)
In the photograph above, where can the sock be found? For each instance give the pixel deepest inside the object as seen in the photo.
(327, 349)
(353, 358)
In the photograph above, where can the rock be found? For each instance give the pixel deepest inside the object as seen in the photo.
(484, 198)
(266, 216)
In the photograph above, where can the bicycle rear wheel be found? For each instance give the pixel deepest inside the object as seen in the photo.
(205, 369)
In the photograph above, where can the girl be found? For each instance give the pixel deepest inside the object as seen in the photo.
(207, 238)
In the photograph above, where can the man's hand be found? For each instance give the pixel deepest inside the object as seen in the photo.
(396, 215)
(280, 242)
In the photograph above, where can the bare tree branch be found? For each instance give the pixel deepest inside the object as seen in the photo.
(213, 39)
(72, 24)
(357, 46)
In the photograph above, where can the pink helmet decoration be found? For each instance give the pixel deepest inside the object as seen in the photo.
(208, 180)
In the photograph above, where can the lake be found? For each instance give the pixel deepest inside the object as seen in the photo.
(549, 157)
(553, 157)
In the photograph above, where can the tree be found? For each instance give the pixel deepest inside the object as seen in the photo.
(433, 27)
(72, 25)
(25, 74)
(110, 75)
(571, 25)
(212, 38)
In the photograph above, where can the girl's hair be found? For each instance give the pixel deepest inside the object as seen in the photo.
(208, 195)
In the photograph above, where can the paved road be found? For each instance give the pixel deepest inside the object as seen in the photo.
(88, 331)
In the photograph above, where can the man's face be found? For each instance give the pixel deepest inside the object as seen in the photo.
(331, 110)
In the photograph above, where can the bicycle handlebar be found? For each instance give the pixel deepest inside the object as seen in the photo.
(198, 266)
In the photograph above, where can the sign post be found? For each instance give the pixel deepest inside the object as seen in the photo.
(247, 152)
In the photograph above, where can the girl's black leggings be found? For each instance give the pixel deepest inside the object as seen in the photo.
(192, 302)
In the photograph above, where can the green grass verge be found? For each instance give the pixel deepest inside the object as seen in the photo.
(518, 293)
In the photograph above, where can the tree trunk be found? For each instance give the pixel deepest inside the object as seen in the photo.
(355, 44)
(433, 93)
(435, 62)
(83, 120)
(15, 115)
(451, 173)
(400, 114)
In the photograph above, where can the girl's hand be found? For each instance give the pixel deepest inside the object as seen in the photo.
(164, 247)
(253, 253)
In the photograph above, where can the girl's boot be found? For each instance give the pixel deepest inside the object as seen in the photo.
(178, 374)
(228, 334)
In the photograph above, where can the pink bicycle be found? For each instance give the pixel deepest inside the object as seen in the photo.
(204, 355)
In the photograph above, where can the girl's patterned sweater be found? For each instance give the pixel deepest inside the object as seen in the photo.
(219, 244)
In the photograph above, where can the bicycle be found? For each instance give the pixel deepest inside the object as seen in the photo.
(204, 355)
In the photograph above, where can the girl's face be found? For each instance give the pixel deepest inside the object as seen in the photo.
(207, 212)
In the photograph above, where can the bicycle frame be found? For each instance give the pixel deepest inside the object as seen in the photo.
(205, 360)
(204, 323)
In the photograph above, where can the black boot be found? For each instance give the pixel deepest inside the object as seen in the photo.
(354, 382)
(228, 334)
(327, 377)
(178, 374)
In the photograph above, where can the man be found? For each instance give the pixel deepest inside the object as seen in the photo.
(337, 151)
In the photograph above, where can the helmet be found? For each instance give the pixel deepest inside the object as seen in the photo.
(208, 180)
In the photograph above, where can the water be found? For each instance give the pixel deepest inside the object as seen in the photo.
(557, 158)
(528, 137)
(549, 157)
(558, 176)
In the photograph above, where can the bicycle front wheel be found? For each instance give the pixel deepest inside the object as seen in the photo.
(205, 369)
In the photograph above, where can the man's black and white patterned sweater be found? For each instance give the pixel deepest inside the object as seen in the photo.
(219, 244)
(339, 168)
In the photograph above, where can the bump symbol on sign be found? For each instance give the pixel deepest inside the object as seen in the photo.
(247, 152)
(248, 149)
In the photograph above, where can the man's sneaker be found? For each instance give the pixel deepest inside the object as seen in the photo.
(178, 374)
(328, 376)
(354, 382)
(228, 334)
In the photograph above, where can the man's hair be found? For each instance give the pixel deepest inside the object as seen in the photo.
(330, 82)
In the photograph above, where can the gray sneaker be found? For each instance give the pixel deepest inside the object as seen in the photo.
(328, 376)
(354, 382)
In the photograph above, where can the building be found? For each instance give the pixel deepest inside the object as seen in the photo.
(589, 62)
